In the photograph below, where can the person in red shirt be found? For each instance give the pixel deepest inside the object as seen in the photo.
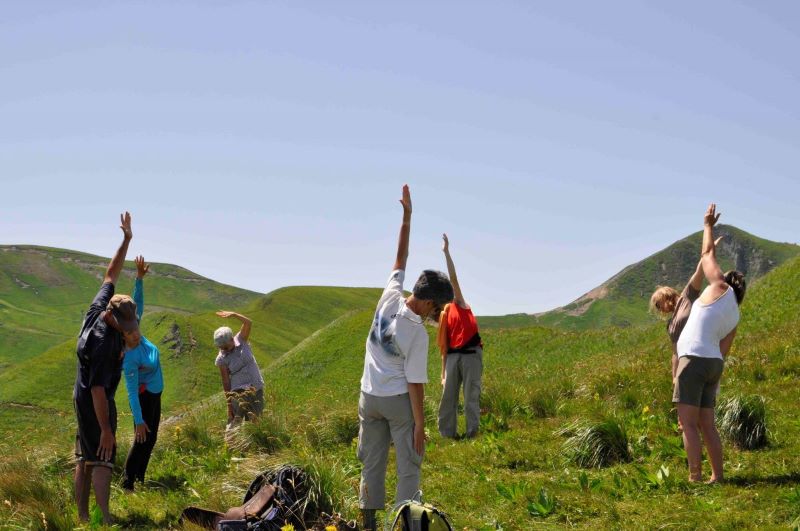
(462, 359)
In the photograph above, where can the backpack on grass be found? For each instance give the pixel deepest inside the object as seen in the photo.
(414, 515)
(274, 499)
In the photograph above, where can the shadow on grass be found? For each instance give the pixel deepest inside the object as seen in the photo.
(749, 480)
(140, 520)
(167, 482)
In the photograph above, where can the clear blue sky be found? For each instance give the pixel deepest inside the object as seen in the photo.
(265, 144)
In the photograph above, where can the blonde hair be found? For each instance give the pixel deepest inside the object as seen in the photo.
(661, 295)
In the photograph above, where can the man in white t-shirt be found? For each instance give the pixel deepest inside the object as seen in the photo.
(395, 370)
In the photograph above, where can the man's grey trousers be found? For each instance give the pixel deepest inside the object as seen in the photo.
(466, 368)
(385, 419)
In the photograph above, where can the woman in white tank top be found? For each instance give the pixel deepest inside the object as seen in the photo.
(702, 347)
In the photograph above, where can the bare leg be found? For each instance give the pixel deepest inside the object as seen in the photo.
(689, 416)
(712, 442)
(82, 490)
(101, 479)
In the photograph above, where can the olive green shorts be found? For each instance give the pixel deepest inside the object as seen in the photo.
(697, 381)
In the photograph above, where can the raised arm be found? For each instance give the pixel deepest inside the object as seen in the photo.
(244, 331)
(405, 231)
(115, 266)
(696, 281)
(458, 297)
(138, 288)
(711, 268)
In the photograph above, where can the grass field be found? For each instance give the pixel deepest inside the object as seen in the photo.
(540, 384)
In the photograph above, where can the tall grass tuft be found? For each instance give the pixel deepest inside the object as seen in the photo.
(596, 445)
(543, 402)
(333, 484)
(500, 401)
(333, 429)
(32, 497)
(268, 433)
(742, 420)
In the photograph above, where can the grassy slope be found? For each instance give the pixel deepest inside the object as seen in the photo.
(537, 380)
(630, 289)
(44, 292)
(280, 320)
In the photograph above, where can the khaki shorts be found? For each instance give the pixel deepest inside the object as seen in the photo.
(697, 381)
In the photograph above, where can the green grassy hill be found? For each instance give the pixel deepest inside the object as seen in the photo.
(516, 475)
(622, 300)
(281, 319)
(44, 293)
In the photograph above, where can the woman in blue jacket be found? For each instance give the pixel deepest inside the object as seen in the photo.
(144, 381)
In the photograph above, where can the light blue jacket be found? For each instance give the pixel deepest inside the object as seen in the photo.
(141, 366)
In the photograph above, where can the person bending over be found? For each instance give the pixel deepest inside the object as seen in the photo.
(144, 381)
(676, 307)
(395, 370)
(705, 341)
(462, 359)
(241, 377)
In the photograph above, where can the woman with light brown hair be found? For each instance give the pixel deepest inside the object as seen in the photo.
(668, 303)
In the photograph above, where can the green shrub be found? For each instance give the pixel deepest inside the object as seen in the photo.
(501, 402)
(742, 420)
(333, 484)
(268, 433)
(338, 428)
(595, 445)
(543, 403)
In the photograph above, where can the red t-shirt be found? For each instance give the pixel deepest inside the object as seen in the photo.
(461, 326)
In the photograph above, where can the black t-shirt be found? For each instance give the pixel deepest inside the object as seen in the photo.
(98, 349)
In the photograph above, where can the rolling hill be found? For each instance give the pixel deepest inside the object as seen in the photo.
(622, 300)
(538, 381)
(44, 292)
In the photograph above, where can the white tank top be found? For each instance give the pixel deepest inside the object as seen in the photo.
(708, 324)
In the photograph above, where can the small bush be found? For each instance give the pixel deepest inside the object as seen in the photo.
(500, 402)
(742, 420)
(596, 445)
(334, 429)
(333, 484)
(267, 433)
(543, 403)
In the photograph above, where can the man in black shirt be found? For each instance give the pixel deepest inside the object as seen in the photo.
(99, 352)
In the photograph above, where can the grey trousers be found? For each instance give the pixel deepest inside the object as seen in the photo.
(458, 369)
(385, 419)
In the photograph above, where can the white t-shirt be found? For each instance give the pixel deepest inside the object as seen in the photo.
(707, 325)
(397, 345)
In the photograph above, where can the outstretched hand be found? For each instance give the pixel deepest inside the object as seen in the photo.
(445, 243)
(125, 225)
(711, 216)
(142, 268)
(406, 200)
(224, 314)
